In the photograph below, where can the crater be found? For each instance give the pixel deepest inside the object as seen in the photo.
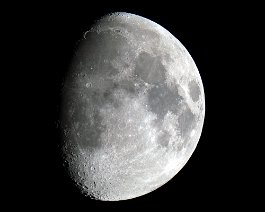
(161, 99)
(149, 68)
(194, 90)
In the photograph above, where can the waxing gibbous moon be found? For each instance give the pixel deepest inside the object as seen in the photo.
(132, 108)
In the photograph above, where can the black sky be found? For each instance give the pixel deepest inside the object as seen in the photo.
(45, 37)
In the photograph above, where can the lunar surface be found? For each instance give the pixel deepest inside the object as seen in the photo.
(132, 108)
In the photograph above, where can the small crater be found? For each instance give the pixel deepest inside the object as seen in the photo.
(117, 30)
(88, 84)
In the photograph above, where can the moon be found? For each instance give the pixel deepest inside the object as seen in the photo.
(133, 108)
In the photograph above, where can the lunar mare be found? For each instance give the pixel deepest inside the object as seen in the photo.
(132, 109)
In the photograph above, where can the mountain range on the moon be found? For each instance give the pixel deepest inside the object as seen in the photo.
(132, 109)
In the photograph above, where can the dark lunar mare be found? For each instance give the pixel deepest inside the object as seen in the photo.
(162, 99)
(187, 121)
(194, 90)
(150, 68)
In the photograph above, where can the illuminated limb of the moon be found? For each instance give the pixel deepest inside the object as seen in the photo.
(133, 108)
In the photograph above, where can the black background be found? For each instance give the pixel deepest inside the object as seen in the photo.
(44, 37)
